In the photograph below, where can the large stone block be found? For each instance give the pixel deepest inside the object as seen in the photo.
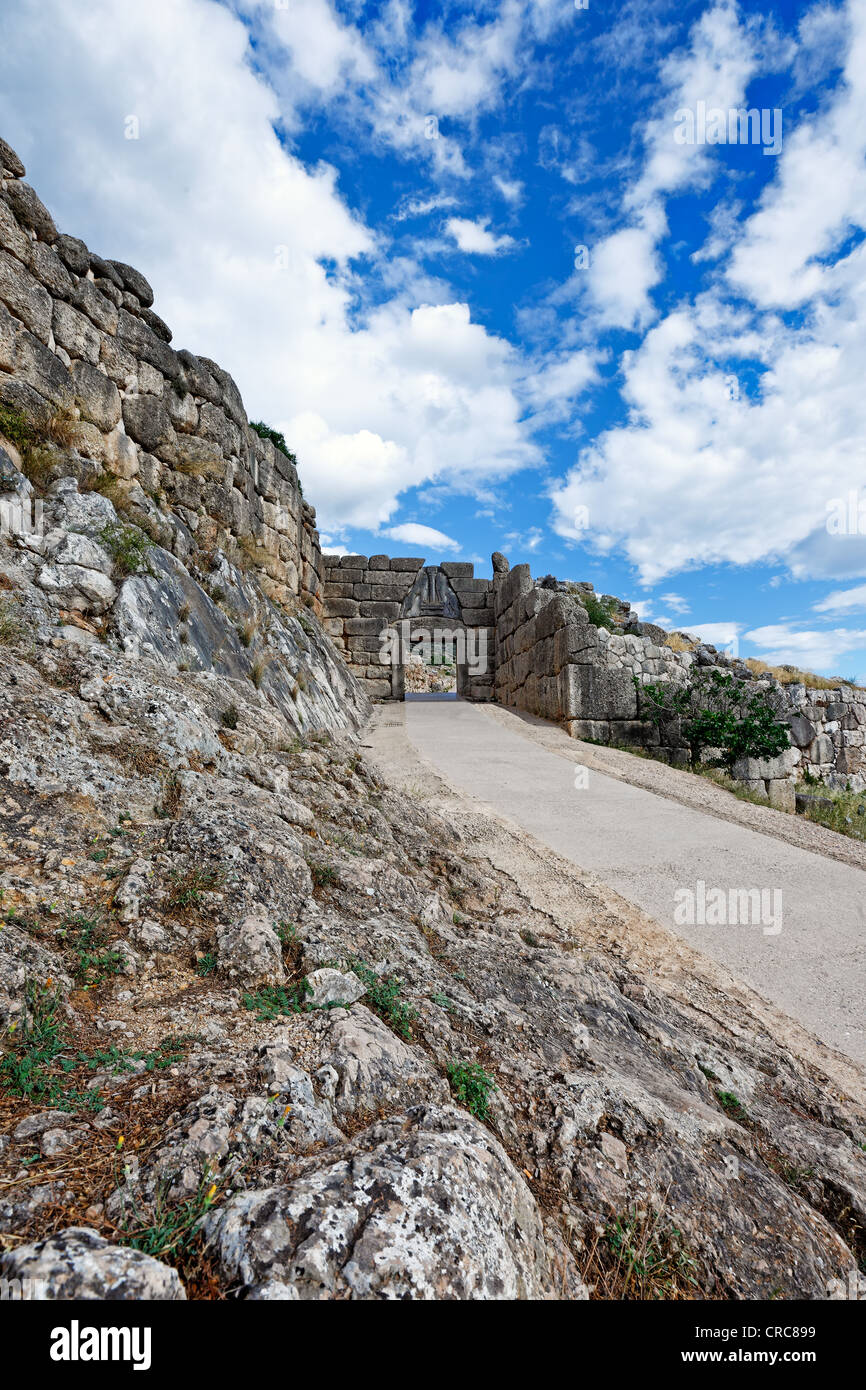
(373, 608)
(92, 302)
(408, 563)
(96, 396)
(25, 297)
(76, 334)
(30, 210)
(147, 422)
(36, 365)
(343, 608)
(457, 568)
(592, 691)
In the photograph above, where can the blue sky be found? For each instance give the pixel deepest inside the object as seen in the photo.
(371, 215)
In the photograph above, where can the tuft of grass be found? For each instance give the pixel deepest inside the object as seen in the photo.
(257, 671)
(842, 811)
(472, 1086)
(27, 1068)
(11, 628)
(792, 675)
(189, 885)
(384, 997)
(639, 1257)
(171, 1228)
(127, 545)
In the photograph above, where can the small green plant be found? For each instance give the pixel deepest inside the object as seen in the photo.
(206, 964)
(26, 1069)
(472, 1087)
(17, 428)
(127, 546)
(171, 1227)
(384, 997)
(272, 1001)
(276, 437)
(324, 875)
(95, 958)
(189, 885)
(650, 1260)
(230, 717)
(732, 1105)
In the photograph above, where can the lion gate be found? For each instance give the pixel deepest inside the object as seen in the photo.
(380, 610)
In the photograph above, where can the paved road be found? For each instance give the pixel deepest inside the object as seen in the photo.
(803, 946)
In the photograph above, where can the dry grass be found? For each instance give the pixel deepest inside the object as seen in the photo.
(640, 1256)
(11, 629)
(678, 643)
(792, 675)
(201, 468)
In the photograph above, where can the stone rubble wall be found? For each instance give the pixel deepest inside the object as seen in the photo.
(550, 660)
(365, 596)
(81, 346)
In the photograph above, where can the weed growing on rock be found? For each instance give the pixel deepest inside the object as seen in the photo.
(384, 998)
(472, 1086)
(272, 1001)
(127, 546)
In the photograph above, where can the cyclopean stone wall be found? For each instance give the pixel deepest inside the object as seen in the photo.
(365, 599)
(84, 355)
(550, 660)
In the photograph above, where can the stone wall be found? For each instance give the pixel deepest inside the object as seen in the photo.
(165, 433)
(550, 660)
(366, 598)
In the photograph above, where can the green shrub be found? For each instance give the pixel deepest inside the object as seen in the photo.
(384, 998)
(472, 1087)
(277, 438)
(600, 614)
(127, 546)
(716, 710)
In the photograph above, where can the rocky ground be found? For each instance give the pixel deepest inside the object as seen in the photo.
(274, 1028)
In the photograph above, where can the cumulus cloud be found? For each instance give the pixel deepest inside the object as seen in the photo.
(254, 256)
(475, 239)
(843, 601)
(707, 468)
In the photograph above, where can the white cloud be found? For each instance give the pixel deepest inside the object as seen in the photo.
(412, 533)
(675, 602)
(511, 189)
(843, 601)
(473, 238)
(719, 635)
(781, 644)
(703, 472)
(232, 230)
